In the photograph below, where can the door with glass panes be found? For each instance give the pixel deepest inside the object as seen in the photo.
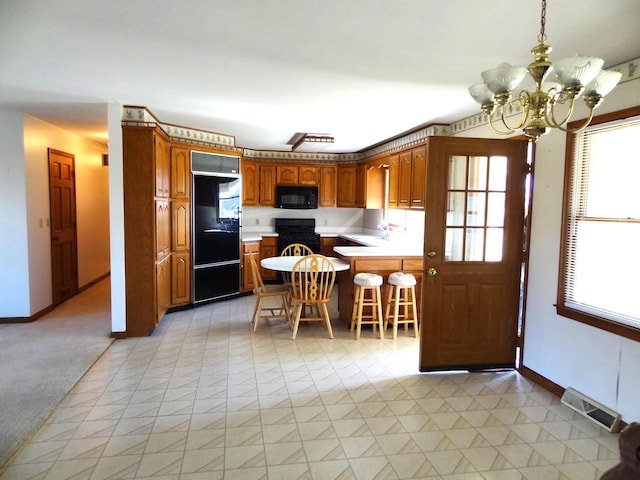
(474, 217)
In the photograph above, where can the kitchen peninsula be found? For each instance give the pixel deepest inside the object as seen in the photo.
(368, 253)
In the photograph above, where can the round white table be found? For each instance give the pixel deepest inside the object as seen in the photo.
(286, 263)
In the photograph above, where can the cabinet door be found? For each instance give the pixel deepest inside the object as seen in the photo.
(361, 186)
(180, 173)
(248, 248)
(268, 248)
(250, 183)
(346, 196)
(180, 278)
(418, 172)
(328, 187)
(267, 185)
(163, 287)
(392, 198)
(163, 232)
(180, 226)
(308, 175)
(287, 174)
(162, 155)
(404, 180)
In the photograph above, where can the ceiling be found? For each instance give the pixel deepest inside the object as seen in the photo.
(362, 71)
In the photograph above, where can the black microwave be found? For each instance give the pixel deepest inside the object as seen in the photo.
(299, 197)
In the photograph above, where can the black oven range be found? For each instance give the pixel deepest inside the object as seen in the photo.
(297, 230)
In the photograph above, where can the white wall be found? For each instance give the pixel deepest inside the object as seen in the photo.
(569, 353)
(28, 214)
(14, 269)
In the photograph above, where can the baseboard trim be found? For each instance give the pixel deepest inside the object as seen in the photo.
(48, 309)
(544, 382)
(550, 386)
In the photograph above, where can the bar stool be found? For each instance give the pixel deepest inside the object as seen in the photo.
(367, 294)
(402, 293)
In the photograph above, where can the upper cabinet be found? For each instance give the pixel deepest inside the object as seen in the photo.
(180, 172)
(411, 178)
(308, 175)
(250, 182)
(392, 196)
(268, 181)
(162, 153)
(370, 185)
(287, 174)
(346, 196)
(328, 186)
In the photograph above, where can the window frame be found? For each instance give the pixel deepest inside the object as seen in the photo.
(593, 320)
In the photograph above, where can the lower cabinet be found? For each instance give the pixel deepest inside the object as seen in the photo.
(248, 248)
(180, 278)
(269, 248)
(163, 287)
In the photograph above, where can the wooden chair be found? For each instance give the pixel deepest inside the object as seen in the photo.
(312, 282)
(297, 250)
(268, 293)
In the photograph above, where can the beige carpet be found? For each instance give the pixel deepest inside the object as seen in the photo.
(42, 360)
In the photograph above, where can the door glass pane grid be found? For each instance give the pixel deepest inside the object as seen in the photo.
(476, 200)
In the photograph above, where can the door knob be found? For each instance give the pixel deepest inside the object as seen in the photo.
(431, 253)
(432, 272)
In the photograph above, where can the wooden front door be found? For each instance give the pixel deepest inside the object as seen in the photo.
(64, 257)
(472, 253)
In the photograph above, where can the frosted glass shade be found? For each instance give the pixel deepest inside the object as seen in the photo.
(577, 70)
(504, 78)
(481, 94)
(603, 83)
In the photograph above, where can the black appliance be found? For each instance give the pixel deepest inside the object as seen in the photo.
(216, 232)
(297, 197)
(297, 230)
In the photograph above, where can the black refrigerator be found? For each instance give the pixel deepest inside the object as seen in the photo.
(216, 235)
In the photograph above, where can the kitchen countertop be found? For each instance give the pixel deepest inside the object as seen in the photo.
(376, 246)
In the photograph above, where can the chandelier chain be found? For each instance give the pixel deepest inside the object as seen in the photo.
(543, 20)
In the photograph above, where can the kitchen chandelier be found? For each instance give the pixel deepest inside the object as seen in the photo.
(576, 76)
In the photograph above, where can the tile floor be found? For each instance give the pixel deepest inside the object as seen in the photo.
(206, 398)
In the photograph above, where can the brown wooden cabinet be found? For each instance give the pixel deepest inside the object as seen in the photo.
(346, 196)
(411, 178)
(180, 226)
(163, 226)
(250, 183)
(267, 181)
(162, 161)
(147, 227)
(308, 175)
(180, 172)
(163, 288)
(249, 248)
(370, 185)
(287, 174)
(269, 248)
(392, 197)
(328, 186)
(180, 278)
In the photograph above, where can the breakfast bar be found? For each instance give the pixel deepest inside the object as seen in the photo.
(383, 260)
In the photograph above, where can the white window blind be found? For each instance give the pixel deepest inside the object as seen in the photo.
(602, 253)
